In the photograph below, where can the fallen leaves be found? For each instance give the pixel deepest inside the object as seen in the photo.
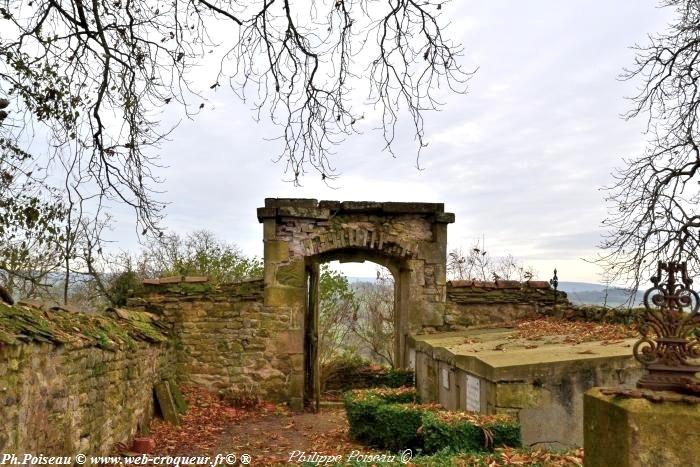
(512, 457)
(200, 428)
(572, 332)
(270, 433)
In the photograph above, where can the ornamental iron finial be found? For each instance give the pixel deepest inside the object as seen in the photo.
(670, 329)
(554, 282)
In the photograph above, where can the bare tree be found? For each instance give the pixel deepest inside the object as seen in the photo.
(478, 264)
(373, 323)
(337, 304)
(82, 84)
(91, 76)
(653, 212)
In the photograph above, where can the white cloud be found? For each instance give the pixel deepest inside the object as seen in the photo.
(519, 159)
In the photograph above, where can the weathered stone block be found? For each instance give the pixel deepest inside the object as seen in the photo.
(276, 251)
(303, 212)
(635, 432)
(290, 342)
(284, 296)
(269, 229)
(292, 274)
(518, 395)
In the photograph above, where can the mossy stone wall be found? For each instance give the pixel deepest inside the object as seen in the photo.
(77, 383)
(225, 338)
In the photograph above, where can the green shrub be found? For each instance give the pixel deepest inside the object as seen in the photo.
(398, 378)
(391, 419)
(361, 413)
(468, 432)
(397, 426)
(361, 408)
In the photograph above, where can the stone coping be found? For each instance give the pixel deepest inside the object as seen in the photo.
(325, 209)
(498, 284)
(176, 280)
(494, 354)
(111, 329)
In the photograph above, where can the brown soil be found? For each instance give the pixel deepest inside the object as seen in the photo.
(271, 438)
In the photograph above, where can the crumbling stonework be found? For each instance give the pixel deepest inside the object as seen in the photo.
(224, 336)
(477, 303)
(410, 239)
(73, 383)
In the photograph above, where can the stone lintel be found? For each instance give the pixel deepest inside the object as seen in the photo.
(444, 217)
(311, 208)
(291, 202)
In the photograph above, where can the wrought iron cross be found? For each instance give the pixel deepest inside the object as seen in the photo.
(670, 327)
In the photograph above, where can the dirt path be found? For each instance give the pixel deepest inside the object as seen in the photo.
(269, 434)
(272, 438)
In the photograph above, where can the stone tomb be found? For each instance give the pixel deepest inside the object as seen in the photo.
(543, 381)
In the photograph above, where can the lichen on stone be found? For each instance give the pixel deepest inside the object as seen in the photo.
(107, 330)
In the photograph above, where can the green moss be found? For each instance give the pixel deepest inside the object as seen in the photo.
(20, 324)
(99, 368)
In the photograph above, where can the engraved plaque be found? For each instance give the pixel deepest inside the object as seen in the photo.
(473, 390)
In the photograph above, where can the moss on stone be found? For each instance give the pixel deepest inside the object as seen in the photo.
(626, 431)
(22, 324)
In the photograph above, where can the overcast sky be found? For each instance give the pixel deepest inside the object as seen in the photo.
(519, 160)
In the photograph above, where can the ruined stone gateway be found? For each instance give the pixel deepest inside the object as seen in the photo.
(70, 387)
(409, 239)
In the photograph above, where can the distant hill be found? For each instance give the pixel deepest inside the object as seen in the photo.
(579, 293)
(585, 293)
(357, 280)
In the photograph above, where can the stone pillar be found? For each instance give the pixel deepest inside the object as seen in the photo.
(622, 431)
(285, 293)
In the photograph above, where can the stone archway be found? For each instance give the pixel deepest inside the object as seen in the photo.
(410, 239)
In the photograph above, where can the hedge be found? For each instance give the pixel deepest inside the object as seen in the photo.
(361, 407)
(468, 432)
(391, 419)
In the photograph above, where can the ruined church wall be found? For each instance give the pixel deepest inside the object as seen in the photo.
(224, 337)
(68, 389)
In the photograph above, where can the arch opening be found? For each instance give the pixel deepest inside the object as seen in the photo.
(368, 320)
(409, 239)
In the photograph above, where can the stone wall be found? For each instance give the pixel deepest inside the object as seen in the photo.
(478, 303)
(76, 382)
(224, 336)
(410, 239)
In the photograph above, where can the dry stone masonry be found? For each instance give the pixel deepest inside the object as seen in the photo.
(475, 303)
(224, 336)
(76, 382)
